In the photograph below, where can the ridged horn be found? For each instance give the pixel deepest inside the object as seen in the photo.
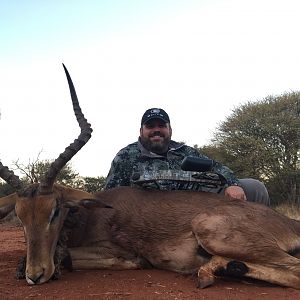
(46, 184)
(10, 177)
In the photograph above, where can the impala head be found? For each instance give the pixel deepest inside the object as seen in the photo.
(42, 207)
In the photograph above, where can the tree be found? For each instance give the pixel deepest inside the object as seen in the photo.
(93, 184)
(35, 170)
(262, 140)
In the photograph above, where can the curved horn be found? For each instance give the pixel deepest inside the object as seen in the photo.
(86, 132)
(10, 177)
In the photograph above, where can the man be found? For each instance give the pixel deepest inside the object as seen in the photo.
(155, 151)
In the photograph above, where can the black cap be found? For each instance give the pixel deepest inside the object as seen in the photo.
(155, 113)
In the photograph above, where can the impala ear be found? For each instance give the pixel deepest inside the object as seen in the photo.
(8, 200)
(4, 211)
(90, 203)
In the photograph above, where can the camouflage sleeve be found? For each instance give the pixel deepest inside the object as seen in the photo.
(120, 171)
(226, 173)
(114, 177)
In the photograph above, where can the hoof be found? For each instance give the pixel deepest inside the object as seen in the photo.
(205, 279)
(205, 282)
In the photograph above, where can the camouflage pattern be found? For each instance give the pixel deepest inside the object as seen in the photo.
(179, 180)
(136, 159)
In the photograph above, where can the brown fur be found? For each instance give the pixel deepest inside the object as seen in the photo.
(182, 231)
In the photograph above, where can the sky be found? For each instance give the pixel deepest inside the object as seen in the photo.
(197, 59)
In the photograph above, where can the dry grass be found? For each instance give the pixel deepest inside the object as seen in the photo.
(290, 210)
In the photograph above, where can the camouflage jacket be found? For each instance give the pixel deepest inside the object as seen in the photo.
(136, 159)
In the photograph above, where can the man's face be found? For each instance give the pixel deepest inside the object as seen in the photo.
(155, 136)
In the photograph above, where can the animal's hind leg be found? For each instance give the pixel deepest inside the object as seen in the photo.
(263, 257)
(220, 266)
(284, 272)
(206, 273)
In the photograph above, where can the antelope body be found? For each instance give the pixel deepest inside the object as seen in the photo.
(181, 231)
(132, 228)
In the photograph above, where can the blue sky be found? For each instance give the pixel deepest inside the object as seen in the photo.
(196, 59)
(54, 25)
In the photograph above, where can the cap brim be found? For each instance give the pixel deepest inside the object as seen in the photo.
(155, 117)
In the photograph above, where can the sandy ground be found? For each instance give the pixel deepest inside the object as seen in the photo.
(137, 284)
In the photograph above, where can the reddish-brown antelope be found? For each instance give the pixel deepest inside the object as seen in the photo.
(132, 228)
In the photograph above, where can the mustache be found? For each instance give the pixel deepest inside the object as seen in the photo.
(157, 133)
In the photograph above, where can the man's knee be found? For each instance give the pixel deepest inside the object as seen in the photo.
(255, 191)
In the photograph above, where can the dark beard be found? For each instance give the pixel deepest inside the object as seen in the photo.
(158, 148)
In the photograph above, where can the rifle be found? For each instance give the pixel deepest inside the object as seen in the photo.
(195, 174)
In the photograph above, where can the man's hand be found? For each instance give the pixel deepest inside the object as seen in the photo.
(235, 192)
